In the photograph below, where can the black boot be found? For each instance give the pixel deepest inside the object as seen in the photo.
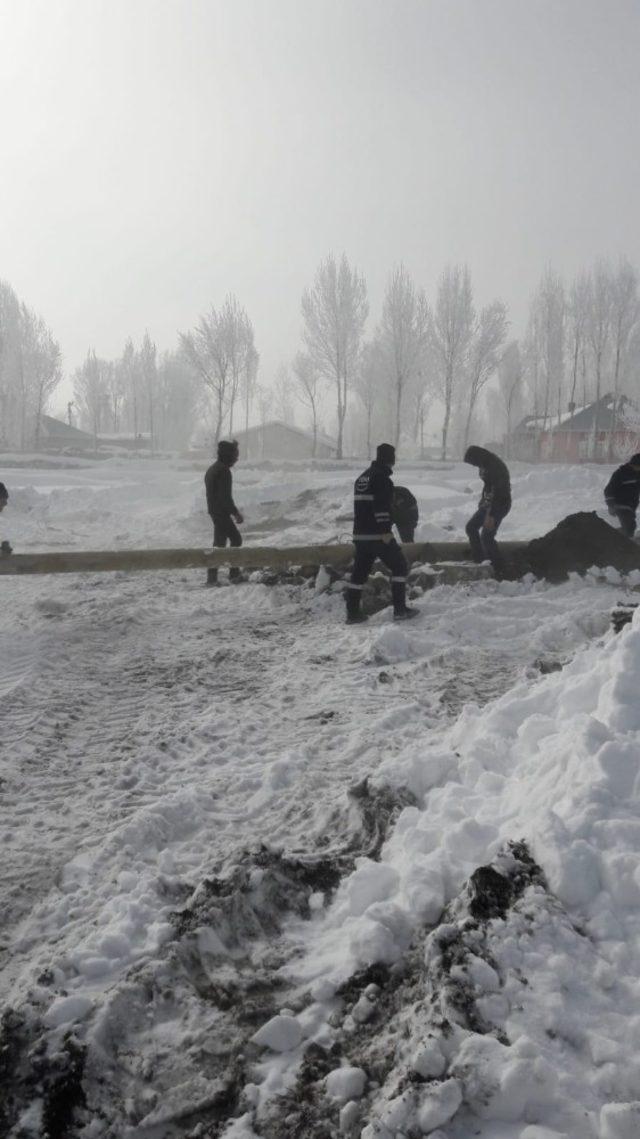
(212, 576)
(401, 611)
(354, 616)
(235, 575)
(406, 614)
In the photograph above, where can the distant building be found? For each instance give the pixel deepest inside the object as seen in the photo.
(56, 435)
(603, 431)
(126, 439)
(279, 440)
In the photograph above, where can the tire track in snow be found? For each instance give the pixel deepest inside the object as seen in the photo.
(144, 685)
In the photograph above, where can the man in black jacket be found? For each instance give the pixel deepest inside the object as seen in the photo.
(223, 510)
(494, 505)
(5, 547)
(622, 494)
(372, 505)
(404, 513)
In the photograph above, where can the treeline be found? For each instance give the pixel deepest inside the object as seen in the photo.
(30, 370)
(141, 394)
(582, 342)
(417, 355)
(423, 359)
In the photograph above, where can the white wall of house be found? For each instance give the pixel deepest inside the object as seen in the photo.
(278, 441)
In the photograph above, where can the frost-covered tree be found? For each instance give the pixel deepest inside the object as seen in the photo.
(334, 312)
(218, 349)
(30, 369)
(284, 396)
(452, 332)
(577, 309)
(308, 385)
(625, 313)
(129, 373)
(238, 332)
(544, 350)
(404, 336)
(90, 391)
(248, 382)
(599, 331)
(9, 364)
(483, 356)
(149, 375)
(178, 395)
(116, 394)
(372, 389)
(510, 392)
(40, 369)
(206, 350)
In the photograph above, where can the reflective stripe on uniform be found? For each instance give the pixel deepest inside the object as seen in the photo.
(368, 537)
(398, 579)
(350, 585)
(363, 498)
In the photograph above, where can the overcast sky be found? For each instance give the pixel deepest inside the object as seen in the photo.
(157, 154)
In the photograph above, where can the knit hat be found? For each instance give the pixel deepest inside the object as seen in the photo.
(4, 493)
(386, 453)
(634, 461)
(228, 450)
(475, 456)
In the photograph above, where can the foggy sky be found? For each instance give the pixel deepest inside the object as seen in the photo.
(157, 154)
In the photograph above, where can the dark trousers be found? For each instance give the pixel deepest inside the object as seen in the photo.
(393, 558)
(483, 542)
(224, 530)
(626, 516)
(406, 530)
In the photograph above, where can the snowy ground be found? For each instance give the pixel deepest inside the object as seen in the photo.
(183, 858)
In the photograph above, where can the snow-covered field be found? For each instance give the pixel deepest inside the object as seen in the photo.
(246, 882)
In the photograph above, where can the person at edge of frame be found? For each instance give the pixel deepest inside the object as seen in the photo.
(622, 494)
(5, 547)
(493, 507)
(372, 505)
(224, 513)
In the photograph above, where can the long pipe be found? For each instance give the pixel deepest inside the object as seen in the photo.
(256, 557)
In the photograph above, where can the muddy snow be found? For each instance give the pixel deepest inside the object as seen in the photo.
(268, 876)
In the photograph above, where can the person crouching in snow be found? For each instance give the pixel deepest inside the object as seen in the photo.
(494, 505)
(5, 547)
(622, 493)
(404, 513)
(218, 483)
(372, 506)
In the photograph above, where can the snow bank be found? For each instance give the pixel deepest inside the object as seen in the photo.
(552, 1042)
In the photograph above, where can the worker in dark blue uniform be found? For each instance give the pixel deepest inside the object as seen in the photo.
(372, 508)
(622, 494)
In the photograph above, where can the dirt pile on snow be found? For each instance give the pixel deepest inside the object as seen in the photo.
(577, 543)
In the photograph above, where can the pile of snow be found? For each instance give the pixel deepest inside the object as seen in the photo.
(525, 1018)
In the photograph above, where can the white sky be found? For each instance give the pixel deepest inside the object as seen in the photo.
(157, 154)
